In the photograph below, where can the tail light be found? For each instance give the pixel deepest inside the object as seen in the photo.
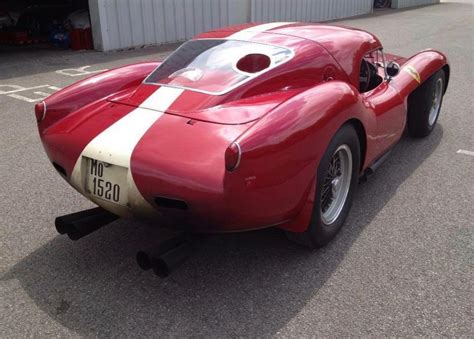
(232, 156)
(40, 111)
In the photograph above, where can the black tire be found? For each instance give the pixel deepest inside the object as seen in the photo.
(319, 233)
(421, 120)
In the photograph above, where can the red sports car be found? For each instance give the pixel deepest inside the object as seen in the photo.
(241, 128)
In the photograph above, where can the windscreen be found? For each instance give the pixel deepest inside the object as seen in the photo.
(216, 66)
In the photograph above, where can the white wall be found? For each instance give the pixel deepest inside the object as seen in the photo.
(118, 24)
(308, 10)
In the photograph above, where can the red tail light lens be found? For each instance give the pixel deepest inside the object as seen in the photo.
(232, 156)
(40, 111)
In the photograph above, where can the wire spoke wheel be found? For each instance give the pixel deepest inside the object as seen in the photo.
(436, 103)
(336, 184)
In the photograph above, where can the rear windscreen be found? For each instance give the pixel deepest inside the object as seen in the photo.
(216, 66)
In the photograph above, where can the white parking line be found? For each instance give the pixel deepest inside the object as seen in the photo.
(27, 93)
(23, 98)
(16, 88)
(42, 93)
(74, 72)
(462, 151)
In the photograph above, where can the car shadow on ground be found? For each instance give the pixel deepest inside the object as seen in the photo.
(247, 284)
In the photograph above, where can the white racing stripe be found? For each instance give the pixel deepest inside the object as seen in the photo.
(249, 33)
(115, 146)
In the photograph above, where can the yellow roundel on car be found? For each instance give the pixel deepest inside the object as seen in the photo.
(413, 72)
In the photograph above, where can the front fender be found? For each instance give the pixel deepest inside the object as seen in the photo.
(418, 69)
(281, 152)
(92, 89)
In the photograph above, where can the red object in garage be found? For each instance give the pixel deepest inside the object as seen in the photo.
(81, 39)
(75, 35)
(87, 39)
(13, 37)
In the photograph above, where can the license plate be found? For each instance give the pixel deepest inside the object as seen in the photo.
(107, 181)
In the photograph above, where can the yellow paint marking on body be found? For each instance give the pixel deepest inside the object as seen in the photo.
(413, 72)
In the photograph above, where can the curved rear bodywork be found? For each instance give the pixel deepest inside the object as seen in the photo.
(165, 146)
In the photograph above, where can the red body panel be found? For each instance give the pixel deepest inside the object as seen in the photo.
(94, 88)
(64, 140)
(426, 63)
(282, 121)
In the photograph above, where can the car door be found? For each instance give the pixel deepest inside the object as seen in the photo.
(387, 105)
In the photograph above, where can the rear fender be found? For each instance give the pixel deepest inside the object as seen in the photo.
(418, 69)
(92, 89)
(281, 152)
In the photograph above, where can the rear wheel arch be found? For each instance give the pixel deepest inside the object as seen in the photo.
(319, 231)
(362, 135)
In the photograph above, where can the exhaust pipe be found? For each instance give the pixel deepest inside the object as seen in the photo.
(80, 224)
(166, 257)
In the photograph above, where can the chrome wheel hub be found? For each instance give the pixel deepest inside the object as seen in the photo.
(436, 102)
(336, 184)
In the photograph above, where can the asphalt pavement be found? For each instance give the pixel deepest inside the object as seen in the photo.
(401, 266)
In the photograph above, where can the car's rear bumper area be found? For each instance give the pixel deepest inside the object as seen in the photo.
(183, 176)
(218, 209)
(176, 173)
